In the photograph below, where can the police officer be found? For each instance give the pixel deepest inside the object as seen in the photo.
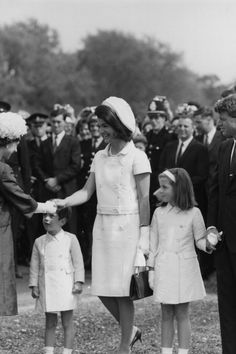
(158, 137)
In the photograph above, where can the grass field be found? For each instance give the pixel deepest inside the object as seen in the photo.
(97, 332)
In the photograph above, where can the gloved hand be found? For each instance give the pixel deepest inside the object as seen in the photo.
(143, 243)
(151, 278)
(140, 260)
(48, 207)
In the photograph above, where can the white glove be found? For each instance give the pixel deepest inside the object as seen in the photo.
(48, 207)
(143, 243)
(151, 274)
(140, 260)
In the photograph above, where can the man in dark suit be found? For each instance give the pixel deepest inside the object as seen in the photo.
(157, 138)
(188, 153)
(221, 215)
(57, 163)
(208, 135)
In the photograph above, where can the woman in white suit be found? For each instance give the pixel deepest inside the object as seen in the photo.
(120, 174)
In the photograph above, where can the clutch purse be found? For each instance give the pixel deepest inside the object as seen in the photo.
(139, 285)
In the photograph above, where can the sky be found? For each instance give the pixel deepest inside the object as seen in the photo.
(202, 30)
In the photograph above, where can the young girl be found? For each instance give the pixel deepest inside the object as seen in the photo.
(56, 276)
(176, 279)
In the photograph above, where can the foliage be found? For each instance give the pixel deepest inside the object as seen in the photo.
(35, 73)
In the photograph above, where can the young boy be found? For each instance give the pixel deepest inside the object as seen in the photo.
(56, 277)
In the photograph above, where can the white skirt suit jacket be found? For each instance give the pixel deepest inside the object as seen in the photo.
(56, 263)
(173, 236)
(116, 228)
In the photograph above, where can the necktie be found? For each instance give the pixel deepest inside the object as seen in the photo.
(38, 141)
(95, 142)
(179, 154)
(205, 140)
(233, 161)
(55, 143)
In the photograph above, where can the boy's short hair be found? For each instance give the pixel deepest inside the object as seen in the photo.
(64, 213)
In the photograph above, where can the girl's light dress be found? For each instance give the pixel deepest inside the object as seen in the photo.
(177, 273)
(56, 263)
(116, 228)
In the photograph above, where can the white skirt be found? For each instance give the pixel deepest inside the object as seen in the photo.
(115, 239)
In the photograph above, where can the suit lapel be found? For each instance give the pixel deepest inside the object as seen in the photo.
(187, 150)
(62, 143)
(215, 140)
(226, 160)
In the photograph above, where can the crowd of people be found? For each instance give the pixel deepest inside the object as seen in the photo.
(177, 170)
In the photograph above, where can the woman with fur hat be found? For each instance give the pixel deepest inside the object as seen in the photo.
(12, 128)
(120, 175)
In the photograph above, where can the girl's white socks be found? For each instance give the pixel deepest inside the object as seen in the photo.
(48, 350)
(183, 351)
(166, 350)
(67, 351)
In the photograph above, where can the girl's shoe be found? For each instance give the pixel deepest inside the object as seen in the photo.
(137, 336)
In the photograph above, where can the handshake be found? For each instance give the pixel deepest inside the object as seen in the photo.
(212, 238)
(51, 206)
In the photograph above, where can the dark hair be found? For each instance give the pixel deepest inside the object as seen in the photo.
(58, 112)
(184, 197)
(6, 141)
(80, 124)
(64, 213)
(110, 117)
(227, 104)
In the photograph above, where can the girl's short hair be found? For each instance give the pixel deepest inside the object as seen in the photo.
(184, 197)
(110, 117)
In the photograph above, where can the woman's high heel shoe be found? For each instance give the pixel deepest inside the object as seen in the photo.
(137, 336)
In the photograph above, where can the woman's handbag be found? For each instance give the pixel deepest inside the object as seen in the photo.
(139, 285)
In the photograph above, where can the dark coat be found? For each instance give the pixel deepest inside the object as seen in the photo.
(156, 144)
(11, 195)
(213, 149)
(64, 164)
(196, 162)
(88, 152)
(222, 197)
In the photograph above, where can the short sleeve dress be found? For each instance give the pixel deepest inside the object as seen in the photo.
(116, 227)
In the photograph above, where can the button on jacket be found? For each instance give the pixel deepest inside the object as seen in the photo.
(118, 194)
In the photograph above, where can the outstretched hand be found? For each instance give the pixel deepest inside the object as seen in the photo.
(60, 203)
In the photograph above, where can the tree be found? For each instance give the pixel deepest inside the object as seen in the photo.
(35, 73)
(137, 70)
